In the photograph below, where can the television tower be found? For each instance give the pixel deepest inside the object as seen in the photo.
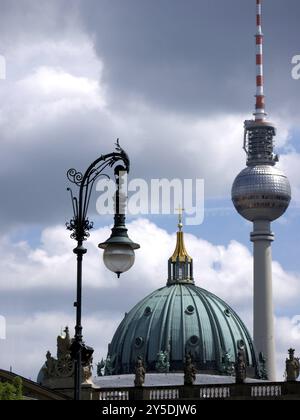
(261, 194)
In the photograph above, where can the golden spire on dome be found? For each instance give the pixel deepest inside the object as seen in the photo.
(180, 254)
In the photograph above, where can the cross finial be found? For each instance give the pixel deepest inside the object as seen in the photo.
(180, 218)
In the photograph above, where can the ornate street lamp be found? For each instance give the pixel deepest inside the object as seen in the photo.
(118, 249)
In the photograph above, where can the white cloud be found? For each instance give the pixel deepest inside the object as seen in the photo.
(28, 339)
(55, 84)
(56, 80)
(290, 164)
(225, 270)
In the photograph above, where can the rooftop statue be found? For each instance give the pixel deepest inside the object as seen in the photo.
(100, 367)
(240, 368)
(109, 366)
(189, 370)
(162, 364)
(263, 367)
(63, 344)
(292, 367)
(50, 365)
(140, 373)
(227, 365)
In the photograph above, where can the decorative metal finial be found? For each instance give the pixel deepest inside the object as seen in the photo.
(180, 218)
(118, 147)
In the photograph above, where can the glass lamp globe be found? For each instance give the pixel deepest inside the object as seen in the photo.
(119, 254)
(119, 258)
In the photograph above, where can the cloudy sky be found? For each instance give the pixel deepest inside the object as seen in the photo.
(174, 80)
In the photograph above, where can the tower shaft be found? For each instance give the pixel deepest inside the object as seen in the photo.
(264, 338)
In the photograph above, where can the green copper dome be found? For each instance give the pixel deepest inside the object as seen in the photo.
(178, 319)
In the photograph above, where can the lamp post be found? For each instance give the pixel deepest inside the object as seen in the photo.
(118, 249)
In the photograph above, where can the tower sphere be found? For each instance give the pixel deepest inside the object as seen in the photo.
(261, 192)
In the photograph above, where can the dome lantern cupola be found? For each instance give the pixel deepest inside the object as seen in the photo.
(180, 265)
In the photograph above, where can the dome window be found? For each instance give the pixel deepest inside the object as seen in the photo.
(227, 312)
(139, 341)
(147, 311)
(241, 344)
(190, 310)
(194, 340)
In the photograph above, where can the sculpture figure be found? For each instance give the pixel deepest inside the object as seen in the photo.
(140, 373)
(50, 364)
(240, 368)
(292, 367)
(189, 370)
(228, 365)
(63, 344)
(263, 367)
(162, 365)
(100, 367)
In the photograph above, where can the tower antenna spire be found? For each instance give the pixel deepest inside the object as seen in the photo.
(260, 114)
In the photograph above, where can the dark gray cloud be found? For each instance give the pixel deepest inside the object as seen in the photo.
(38, 300)
(165, 64)
(195, 56)
(35, 184)
(29, 20)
